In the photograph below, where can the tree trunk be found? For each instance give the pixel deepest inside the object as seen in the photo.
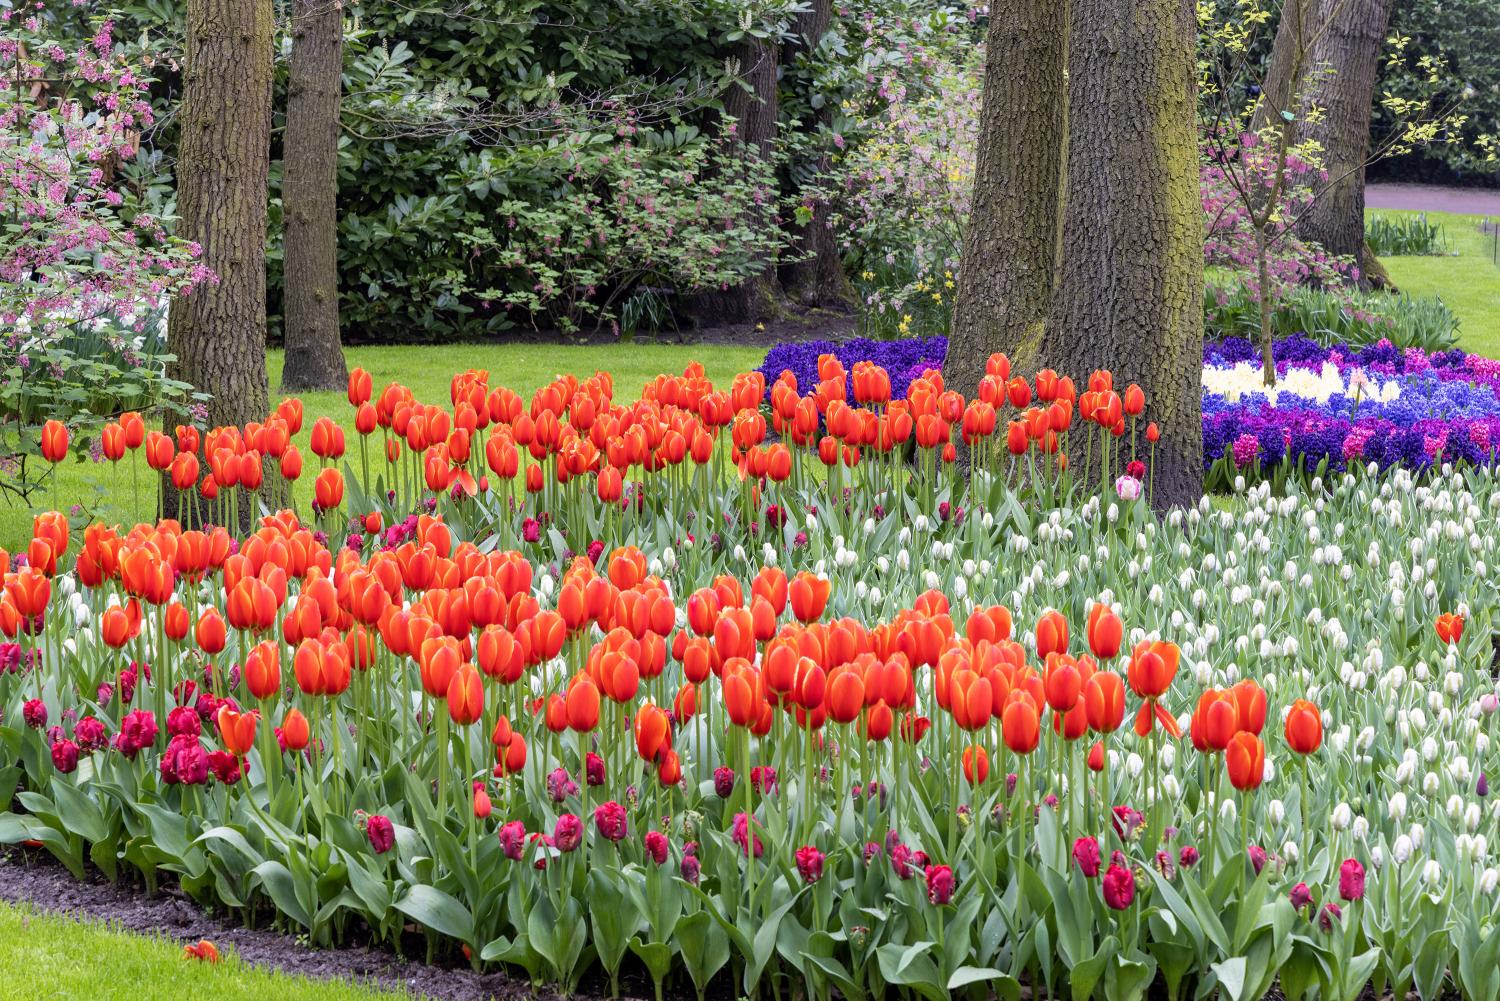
(218, 334)
(1005, 284)
(1131, 292)
(309, 194)
(815, 276)
(1344, 60)
(755, 114)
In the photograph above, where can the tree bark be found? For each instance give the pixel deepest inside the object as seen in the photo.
(1131, 293)
(1285, 70)
(1344, 62)
(309, 195)
(218, 333)
(1005, 284)
(815, 276)
(1326, 59)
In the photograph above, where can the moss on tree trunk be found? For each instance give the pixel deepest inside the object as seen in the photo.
(1131, 291)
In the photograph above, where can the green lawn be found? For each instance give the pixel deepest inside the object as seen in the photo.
(427, 371)
(1467, 280)
(48, 957)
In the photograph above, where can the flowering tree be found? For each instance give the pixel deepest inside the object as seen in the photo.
(73, 250)
(84, 272)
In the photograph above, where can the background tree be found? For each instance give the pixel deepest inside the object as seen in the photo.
(1004, 296)
(751, 102)
(1130, 297)
(814, 274)
(218, 333)
(309, 196)
(1322, 71)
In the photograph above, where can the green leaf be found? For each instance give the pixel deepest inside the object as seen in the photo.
(439, 911)
(1084, 976)
(966, 975)
(912, 967)
(704, 946)
(655, 956)
(1231, 974)
(282, 888)
(764, 943)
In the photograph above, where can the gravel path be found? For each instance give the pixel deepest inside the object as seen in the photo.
(1433, 198)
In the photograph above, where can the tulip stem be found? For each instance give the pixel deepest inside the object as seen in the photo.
(469, 773)
(442, 763)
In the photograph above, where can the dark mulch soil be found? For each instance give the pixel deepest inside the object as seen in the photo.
(38, 880)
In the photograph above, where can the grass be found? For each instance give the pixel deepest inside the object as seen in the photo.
(1467, 279)
(46, 956)
(426, 371)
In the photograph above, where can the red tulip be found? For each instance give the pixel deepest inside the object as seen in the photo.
(1304, 727)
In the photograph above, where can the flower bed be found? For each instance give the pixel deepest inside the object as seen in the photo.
(736, 711)
(1332, 407)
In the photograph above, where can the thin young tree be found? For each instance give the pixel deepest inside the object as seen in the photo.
(309, 197)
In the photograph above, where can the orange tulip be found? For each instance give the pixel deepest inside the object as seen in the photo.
(1063, 682)
(176, 622)
(54, 441)
(1104, 701)
(1105, 632)
(237, 730)
(845, 696)
(1304, 727)
(1245, 759)
(115, 627)
(133, 428)
(808, 595)
(291, 464)
(1152, 668)
(112, 442)
(210, 632)
(328, 489)
(1215, 721)
(263, 670)
(295, 732)
(1450, 627)
(670, 772)
(582, 705)
(1051, 634)
(465, 695)
(515, 754)
(1250, 699)
(976, 765)
(653, 733)
(739, 695)
(1020, 724)
(770, 584)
